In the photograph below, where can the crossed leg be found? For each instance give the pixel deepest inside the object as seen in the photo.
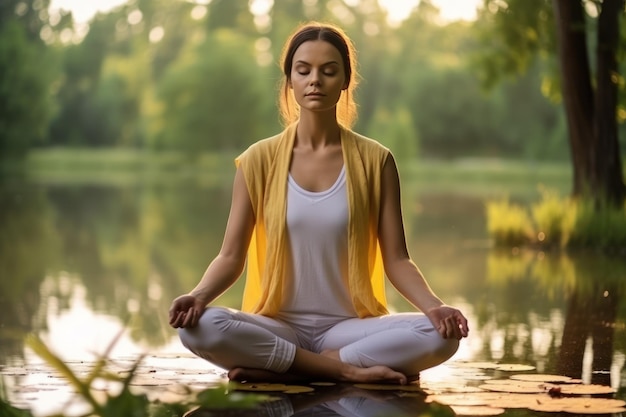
(254, 347)
(406, 342)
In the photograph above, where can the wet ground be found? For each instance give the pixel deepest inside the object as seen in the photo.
(461, 388)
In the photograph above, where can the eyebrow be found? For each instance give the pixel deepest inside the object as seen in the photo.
(306, 63)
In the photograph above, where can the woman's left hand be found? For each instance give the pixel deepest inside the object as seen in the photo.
(449, 322)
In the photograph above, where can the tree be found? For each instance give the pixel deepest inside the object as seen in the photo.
(79, 118)
(520, 30)
(592, 115)
(27, 71)
(212, 98)
(25, 105)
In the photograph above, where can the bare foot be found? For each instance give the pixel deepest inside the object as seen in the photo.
(261, 375)
(377, 374)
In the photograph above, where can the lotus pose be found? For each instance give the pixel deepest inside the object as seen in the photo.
(316, 221)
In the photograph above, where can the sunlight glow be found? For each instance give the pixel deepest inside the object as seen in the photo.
(156, 34)
(83, 10)
(457, 10)
(450, 10)
(397, 11)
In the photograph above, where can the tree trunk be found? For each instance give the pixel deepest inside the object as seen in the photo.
(605, 304)
(591, 118)
(607, 181)
(576, 86)
(575, 333)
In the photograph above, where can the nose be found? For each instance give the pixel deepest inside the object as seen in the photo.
(315, 79)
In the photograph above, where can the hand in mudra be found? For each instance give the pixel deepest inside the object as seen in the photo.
(449, 322)
(185, 311)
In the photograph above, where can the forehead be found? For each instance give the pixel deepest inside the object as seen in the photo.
(317, 52)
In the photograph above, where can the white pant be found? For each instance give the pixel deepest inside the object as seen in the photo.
(406, 342)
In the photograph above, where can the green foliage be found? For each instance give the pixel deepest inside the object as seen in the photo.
(26, 71)
(519, 33)
(126, 403)
(512, 34)
(602, 227)
(32, 15)
(396, 131)
(508, 224)
(557, 222)
(212, 99)
(89, 102)
(82, 386)
(229, 14)
(209, 83)
(553, 218)
(6, 409)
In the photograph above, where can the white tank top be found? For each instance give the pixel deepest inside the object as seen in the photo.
(317, 227)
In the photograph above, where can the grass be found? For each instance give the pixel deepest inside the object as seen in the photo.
(508, 224)
(129, 166)
(557, 222)
(125, 166)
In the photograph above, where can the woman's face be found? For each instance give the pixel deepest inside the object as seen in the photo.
(317, 76)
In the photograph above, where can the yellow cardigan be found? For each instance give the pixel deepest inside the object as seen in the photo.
(265, 166)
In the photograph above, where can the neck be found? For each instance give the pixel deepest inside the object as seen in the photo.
(317, 129)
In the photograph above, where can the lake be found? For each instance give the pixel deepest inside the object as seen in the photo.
(82, 260)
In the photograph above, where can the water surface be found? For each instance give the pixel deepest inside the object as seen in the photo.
(81, 261)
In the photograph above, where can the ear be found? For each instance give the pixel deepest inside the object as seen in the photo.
(289, 84)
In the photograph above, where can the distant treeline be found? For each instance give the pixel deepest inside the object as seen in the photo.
(178, 75)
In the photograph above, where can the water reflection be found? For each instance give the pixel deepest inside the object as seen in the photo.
(340, 401)
(590, 336)
(128, 250)
(28, 250)
(125, 251)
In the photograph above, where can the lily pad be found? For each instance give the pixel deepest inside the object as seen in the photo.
(482, 398)
(543, 378)
(477, 365)
(578, 405)
(451, 387)
(507, 367)
(586, 389)
(479, 410)
(514, 367)
(492, 399)
(506, 386)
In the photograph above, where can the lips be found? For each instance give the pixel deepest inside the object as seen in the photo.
(315, 94)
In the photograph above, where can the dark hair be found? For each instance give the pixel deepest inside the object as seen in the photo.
(346, 108)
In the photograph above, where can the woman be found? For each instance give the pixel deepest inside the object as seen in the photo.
(316, 214)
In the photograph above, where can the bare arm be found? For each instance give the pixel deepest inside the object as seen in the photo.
(400, 268)
(227, 266)
(229, 263)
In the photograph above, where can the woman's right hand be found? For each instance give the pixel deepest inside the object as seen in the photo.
(185, 311)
